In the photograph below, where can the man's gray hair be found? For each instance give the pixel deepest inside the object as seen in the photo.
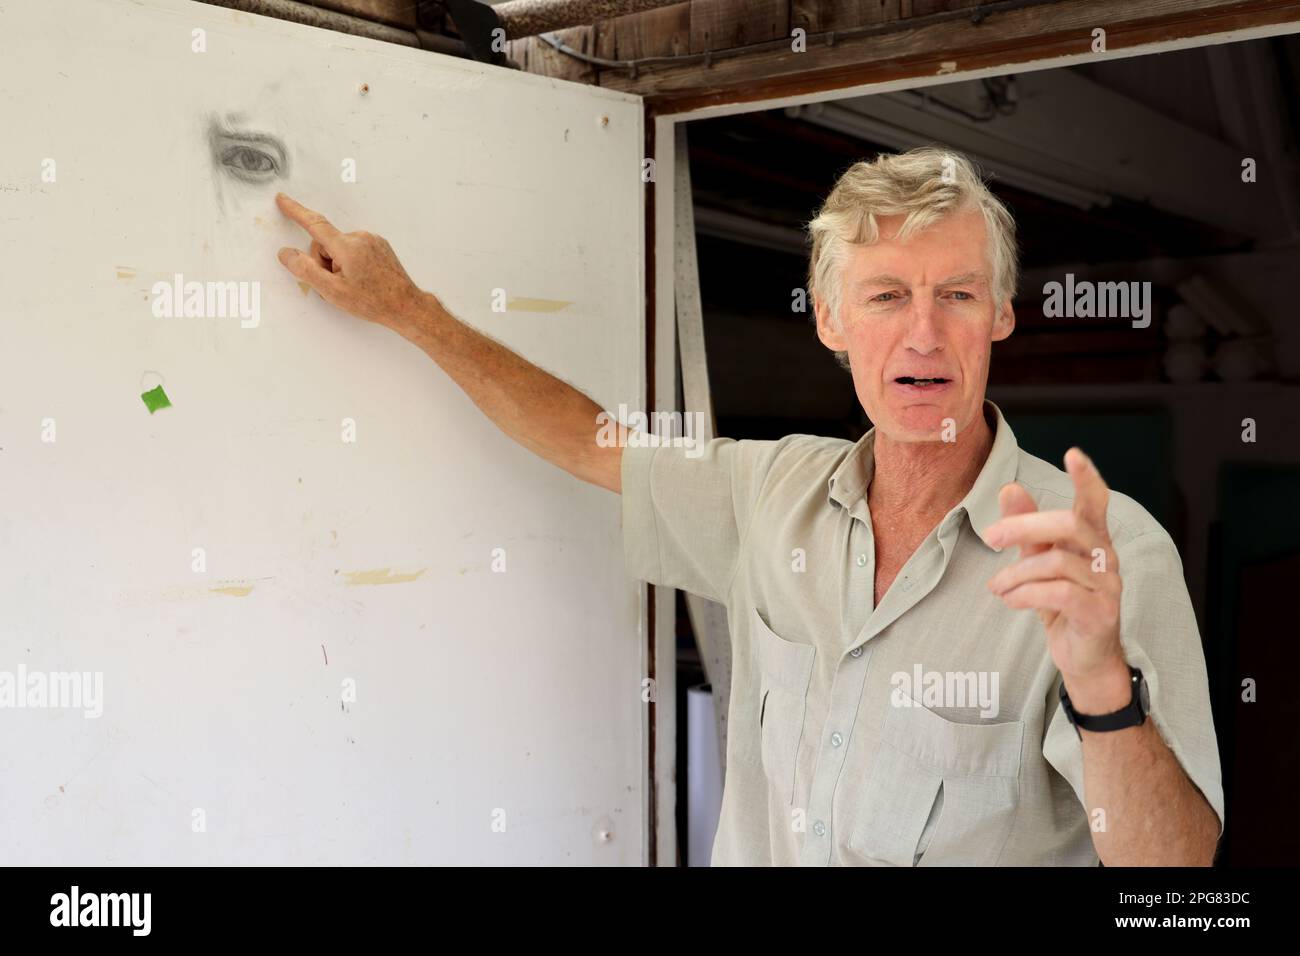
(925, 184)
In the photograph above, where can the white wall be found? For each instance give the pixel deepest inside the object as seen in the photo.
(475, 691)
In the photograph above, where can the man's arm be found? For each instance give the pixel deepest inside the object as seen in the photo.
(359, 273)
(1154, 813)
(1068, 571)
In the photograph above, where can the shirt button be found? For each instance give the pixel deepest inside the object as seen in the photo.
(862, 560)
(819, 828)
(856, 652)
(836, 739)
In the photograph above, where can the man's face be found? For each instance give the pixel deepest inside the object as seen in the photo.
(918, 320)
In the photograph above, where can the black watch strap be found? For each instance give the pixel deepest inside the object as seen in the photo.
(1131, 715)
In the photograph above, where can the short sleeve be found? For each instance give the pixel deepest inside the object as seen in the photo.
(686, 511)
(1160, 637)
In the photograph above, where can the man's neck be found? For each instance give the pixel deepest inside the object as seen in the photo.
(926, 479)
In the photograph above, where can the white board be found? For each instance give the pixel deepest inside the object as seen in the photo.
(497, 715)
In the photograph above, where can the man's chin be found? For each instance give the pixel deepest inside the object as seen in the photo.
(917, 423)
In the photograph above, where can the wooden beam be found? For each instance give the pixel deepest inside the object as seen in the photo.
(722, 24)
(1014, 36)
(662, 32)
(920, 8)
(686, 288)
(708, 618)
(821, 16)
(535, 55)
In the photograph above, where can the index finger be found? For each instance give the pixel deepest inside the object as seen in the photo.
(317, 226)
(1091, 493)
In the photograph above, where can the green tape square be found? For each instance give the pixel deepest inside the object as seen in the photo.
(155, 399)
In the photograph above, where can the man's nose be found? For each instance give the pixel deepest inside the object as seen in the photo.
(924, 332)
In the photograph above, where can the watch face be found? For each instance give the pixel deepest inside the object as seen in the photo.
(1144, 697)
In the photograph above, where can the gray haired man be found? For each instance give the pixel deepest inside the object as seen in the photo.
(945, 650)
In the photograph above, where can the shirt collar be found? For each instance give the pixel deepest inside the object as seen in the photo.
(850, 480)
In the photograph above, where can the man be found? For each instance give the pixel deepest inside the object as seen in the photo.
(893, 699)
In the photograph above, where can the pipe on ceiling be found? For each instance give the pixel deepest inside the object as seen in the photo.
(526, 18)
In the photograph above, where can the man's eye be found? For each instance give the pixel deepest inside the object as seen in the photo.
(961, 296)
(246, 160)
(886, 297)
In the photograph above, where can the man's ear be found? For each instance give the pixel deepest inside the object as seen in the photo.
(1004, 323)
(831, 336)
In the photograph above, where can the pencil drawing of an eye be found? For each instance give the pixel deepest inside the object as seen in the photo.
(246, 155)
(249, 163)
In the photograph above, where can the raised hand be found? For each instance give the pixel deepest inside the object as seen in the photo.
(1067, 570)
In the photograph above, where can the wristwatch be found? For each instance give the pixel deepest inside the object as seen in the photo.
(1132, 715)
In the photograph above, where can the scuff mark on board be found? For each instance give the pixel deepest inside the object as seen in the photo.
(526, 304)
(379, 576)
(234, 590)
(234, 587)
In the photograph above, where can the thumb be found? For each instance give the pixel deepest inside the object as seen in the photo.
(1015, 500)
(307, 269)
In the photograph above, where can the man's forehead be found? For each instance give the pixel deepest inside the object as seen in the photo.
(953, 249)
(918, 273)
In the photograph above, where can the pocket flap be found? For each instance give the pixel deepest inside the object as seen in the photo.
(784, 663)
(985, 749)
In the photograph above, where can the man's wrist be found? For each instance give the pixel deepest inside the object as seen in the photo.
(417, 314)
(1102, 692)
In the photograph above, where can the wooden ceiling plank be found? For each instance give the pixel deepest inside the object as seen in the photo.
(722, 24)
(662, 32)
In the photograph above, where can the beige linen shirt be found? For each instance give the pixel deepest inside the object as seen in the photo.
(924, 731)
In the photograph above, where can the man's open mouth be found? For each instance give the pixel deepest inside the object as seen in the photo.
(911, 380)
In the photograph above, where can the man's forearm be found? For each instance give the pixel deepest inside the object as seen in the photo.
(360, 273)
(1152, 813)
(547, 416)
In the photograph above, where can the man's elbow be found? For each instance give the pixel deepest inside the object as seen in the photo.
(1201, 844)
(602, 467)
(1211, 829)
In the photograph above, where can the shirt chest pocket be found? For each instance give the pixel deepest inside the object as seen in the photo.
(938, 793)
(785, 668)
